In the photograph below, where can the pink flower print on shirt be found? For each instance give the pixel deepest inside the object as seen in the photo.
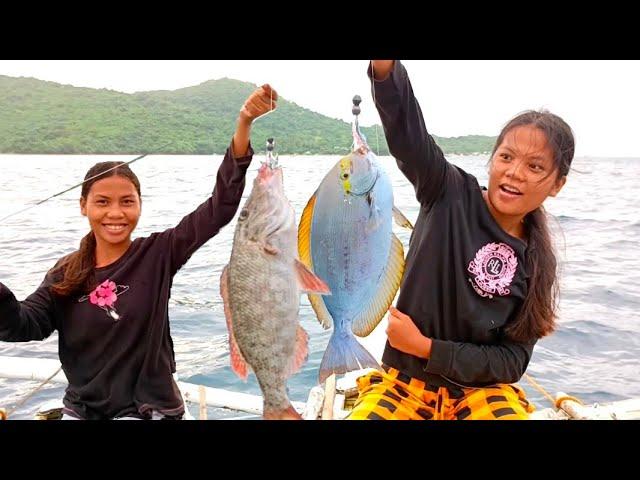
(105, 296)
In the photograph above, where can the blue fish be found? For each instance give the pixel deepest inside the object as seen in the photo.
(345, 237)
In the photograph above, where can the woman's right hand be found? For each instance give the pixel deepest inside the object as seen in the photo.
(262, 100)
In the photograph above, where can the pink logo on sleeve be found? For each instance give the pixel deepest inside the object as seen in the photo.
(493, 269)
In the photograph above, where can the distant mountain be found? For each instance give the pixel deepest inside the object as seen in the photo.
(46, 117)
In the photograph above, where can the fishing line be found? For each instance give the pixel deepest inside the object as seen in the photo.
(21, 402)
(78, 185)
(373, 93)
(271, 109)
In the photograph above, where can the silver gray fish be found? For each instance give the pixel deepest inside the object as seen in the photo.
(261, 289)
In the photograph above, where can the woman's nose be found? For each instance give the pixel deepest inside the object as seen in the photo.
(515, 170)
(115, 212)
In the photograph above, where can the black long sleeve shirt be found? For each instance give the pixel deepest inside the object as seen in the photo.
(124, 367)
(465, 277)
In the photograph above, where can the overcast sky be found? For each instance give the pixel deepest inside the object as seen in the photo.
(599, 99)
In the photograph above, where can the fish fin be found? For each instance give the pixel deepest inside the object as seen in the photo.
(308, 281)
(344, 354)
(324, 317)
(288, 413)
(238, 363)
(300, 353)
(304, 250)
(400, 218)
(388, 284)
(375, 217)
(304, 233)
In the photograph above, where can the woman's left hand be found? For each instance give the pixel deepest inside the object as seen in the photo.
(403, 335)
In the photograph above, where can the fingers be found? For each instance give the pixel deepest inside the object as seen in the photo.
(397, 313)
(269, 91)
(393, 322)
(261, 101)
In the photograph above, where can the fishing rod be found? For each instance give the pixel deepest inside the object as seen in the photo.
(79, 184)
(27, 397)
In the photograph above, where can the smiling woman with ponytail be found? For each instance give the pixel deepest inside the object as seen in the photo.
(77, 269)
(109, 300)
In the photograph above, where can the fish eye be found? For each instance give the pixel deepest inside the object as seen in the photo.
(345, 176)
(243, 214)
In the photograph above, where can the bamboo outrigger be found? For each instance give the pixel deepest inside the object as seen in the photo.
(331, 401)
(40, 369)
(566, 407)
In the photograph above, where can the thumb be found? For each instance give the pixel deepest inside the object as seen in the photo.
(395, 312)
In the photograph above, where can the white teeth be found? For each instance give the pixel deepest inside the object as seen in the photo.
(115, 228)
(510, 189)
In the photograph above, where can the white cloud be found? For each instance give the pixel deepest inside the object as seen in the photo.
(599, 99)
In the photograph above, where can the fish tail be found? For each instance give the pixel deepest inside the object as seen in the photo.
(344, 354)
(288, 413)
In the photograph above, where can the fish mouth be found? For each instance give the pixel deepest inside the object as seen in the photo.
(359, 142)
(266, 173)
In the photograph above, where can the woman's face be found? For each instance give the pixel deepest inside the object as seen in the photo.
(113, 208)
(522, 173)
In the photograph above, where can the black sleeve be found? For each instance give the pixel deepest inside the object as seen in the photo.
(417, 154)
(468, 363)
(199, 226)
(31, 319)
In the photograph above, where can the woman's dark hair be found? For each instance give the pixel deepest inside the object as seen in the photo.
(77, 268)
(538, 313)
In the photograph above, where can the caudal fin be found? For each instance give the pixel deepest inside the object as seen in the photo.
(288, 413)
(345, 354)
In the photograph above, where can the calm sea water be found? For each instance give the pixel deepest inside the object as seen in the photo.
(594, 355)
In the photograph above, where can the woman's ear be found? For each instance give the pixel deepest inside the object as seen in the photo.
(83, 206)
(558, 186)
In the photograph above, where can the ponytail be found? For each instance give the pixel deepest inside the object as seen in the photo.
(538, 313)
(77, 269)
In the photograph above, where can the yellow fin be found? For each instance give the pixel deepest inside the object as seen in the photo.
(304, 250)
(400, 218)
(364, 323)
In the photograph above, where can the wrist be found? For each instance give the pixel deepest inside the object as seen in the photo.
(424, 348)
(381, 69)
(244, 121)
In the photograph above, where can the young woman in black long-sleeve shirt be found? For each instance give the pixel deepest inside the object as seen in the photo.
(109, 300)
(479, 287)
